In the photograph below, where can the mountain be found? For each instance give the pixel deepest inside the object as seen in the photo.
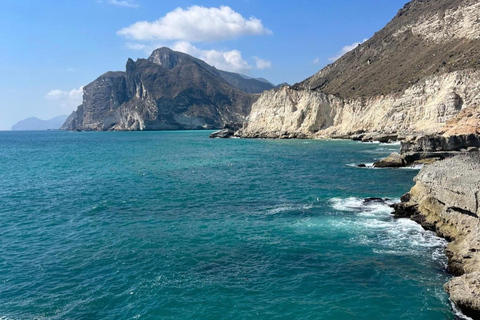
(412, 77)
(426, 38)
(169, 90)
(33, 123)
(245, 83)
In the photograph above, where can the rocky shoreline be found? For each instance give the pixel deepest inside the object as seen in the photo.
(446, 199)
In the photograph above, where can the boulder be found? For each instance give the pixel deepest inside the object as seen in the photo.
(394, 160)
(224, 133)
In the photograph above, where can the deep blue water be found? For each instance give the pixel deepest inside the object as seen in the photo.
(173, 225)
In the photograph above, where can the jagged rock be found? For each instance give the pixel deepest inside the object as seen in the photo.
(382, 138)
(433, 143)
(224, 133)
(403, 210)
(372, 200)
(169, 90)
(394, 160)
(427, 149)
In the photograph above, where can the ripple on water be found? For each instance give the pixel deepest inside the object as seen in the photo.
(173, 225)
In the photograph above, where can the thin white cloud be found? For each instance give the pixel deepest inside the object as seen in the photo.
(228, 60)
(224, 60)
(121, 3)
(262, 63)
(316, 61)
(345, 50)
(68, 100)
(140, 47)
(196, 24)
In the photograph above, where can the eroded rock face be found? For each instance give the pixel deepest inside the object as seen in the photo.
(168, 91)
(424, 108)
(418, 75)
(446, 199)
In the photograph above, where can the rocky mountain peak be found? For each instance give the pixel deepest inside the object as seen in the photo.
(170, 90)
(167, 58)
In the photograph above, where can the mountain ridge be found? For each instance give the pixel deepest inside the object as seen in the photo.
(34, 123)
(168, 91)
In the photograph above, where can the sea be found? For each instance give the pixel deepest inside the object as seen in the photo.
(174, 225)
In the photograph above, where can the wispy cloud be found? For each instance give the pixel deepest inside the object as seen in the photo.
(316, 61)
(67, 100)
(262, 63)
(121, 3)
(345, 50)
(179, 28)
(196, 24)
(228, 60)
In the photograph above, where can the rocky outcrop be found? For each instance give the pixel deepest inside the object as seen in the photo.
(228, 131)
(438, 147)
(394, 160)
(446, 199)
(169, 90)
(418, 75)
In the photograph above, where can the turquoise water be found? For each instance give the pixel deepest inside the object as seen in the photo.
(173, 225)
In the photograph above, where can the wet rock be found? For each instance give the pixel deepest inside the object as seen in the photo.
(368, 201)
(394, 160)
(224, 133)
(404, 210)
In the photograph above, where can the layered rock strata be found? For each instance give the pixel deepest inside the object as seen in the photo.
(422, 109)
(446, 199)
(414, 77)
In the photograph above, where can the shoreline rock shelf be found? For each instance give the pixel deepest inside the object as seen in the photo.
(446, 199)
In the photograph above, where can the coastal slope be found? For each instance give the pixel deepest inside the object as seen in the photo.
(170, 90)
(412, 77)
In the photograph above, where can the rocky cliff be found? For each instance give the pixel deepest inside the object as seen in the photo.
(412, 77)
(446, 199)
(169, 90)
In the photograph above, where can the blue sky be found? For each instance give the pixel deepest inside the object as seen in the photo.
(49, 49)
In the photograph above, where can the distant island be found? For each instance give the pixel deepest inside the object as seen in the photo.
(33, 123)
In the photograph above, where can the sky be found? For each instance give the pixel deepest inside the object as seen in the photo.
(50, 49)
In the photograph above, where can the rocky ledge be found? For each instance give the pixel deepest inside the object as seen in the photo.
(430, 148)
(446, 199)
